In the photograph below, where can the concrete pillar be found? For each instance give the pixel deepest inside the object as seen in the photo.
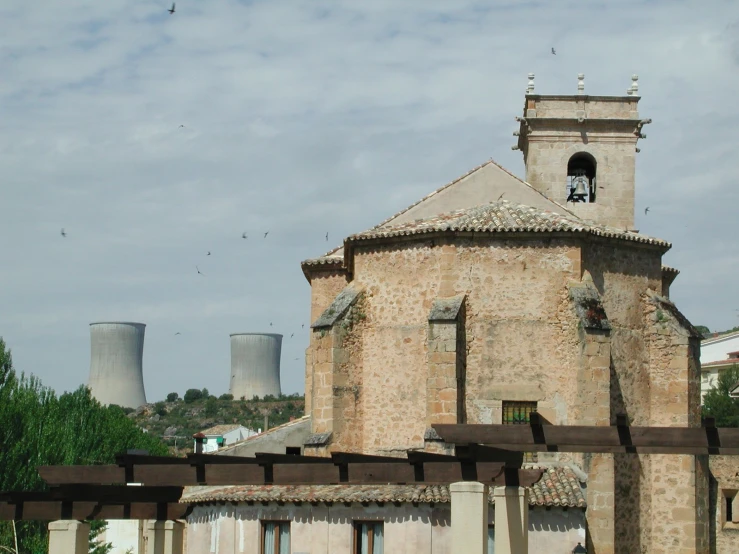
(469, 517)
(164, 537)
(511, 520)
(69, 537)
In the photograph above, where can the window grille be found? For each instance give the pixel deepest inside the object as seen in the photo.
(519, 413)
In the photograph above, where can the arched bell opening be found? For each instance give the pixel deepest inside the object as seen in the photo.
(581, 184)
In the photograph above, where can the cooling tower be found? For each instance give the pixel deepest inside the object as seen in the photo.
(116, 356)
(255, 364)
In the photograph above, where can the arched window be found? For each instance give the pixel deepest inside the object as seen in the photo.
(581, 185)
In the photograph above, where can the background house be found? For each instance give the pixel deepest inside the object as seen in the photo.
(718, 352)
(222, 435)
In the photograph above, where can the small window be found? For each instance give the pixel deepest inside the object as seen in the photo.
(368, 537)
(731, 514)
(292, 450)
(519, 413)
(275, 537)
(491, 539)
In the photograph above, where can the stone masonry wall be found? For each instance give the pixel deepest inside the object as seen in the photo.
(724, 481)
(678, 484)
(324, 287)
(516, 309)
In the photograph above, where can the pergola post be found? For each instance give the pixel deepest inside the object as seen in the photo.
(469, 517)
(164, 537)
(69, 537)
(511, 520)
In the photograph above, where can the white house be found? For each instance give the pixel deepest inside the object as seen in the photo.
(717, 353)
(223, 435)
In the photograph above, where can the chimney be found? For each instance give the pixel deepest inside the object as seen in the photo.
(199, 438)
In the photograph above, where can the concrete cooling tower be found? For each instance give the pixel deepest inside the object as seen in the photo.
(116, 357)
(255, 365)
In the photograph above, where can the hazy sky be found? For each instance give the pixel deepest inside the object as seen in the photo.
(309, 117)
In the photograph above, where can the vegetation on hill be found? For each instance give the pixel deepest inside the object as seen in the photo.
(41, 428)
(707, 333)
(177, 419)
(719, 404)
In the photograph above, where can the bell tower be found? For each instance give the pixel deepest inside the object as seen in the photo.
(580, 150)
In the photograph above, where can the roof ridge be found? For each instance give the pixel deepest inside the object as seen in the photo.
(433, 193)
(535, 189)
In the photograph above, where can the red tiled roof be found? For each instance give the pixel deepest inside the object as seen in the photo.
(559, 486)
(503, 217)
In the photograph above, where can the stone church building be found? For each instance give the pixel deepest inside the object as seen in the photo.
(488, 299)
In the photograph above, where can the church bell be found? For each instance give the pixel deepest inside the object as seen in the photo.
(580, 191)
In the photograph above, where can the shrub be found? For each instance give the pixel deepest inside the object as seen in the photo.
(191, 395)
(172, 397)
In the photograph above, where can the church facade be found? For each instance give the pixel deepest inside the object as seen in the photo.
(489, 299)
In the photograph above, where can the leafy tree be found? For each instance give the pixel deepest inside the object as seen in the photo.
(703, 330)
(206, 394)
(172, 397)
(41, 428)
(226, 397)
(211, 406)
(160, 408)
(191, 395)
(719, 404)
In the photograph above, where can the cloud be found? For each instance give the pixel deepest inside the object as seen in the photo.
(301, 119)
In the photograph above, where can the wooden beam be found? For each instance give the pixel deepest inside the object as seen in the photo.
(595, 439)
(52, 510)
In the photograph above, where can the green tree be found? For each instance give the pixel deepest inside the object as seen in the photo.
(703, 330)
(191, 395)
(211, 406)
(206, 394)
(226, 397)
(160, 408)
(41, 428)
(717, 402)
(172, 397)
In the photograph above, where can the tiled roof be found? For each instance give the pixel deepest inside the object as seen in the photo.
(506, 217)
(559, 486)
(719, 337)
(720, 363)
(220, 429)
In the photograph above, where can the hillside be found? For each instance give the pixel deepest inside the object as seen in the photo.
(175, 421)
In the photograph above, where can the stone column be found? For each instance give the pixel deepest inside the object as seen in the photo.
(511, 520)
(69, 537)
(469, 517)
(164, 537)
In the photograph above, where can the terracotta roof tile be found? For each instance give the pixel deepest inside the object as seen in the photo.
(559, 486)
(503, 216)
(220, 429)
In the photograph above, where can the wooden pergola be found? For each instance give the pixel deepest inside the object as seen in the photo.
(139, 486)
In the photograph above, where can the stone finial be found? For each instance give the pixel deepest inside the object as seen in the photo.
(634, 88)
(580, 83)
(530, 87)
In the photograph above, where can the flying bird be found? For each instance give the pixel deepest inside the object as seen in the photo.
(243, 235)
(64, 233)
(501, 195)
(326, 237)
(292, 335)
(199, 272)
(302, 326)
(208, 254)
(270, 324)
(646, 210)
(171, 10)
(181, 126)
(178, 333)
(296, 359)
(554, 51)
(265, 234)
